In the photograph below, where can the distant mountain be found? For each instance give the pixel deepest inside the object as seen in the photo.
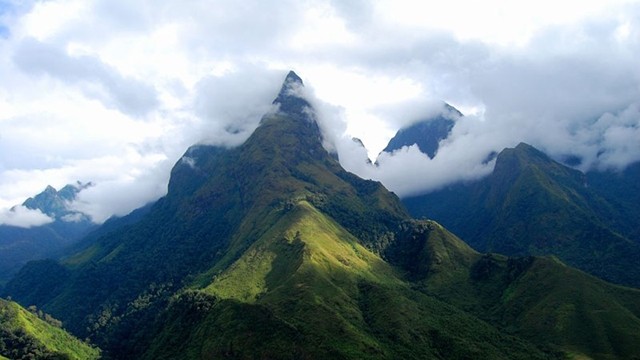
(272, 250)
(533, 205)
(55, 203)
(621, 190)
(427, 133)
(19, 245)
(27, 335)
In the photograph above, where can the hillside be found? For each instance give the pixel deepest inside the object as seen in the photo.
(272, 250)
(23, 335)
(533, 205)
(307, 279)
(537, 298)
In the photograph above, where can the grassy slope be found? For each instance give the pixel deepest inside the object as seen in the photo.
(270, 235)
(13, 318)
(540, 299)
(308, 286)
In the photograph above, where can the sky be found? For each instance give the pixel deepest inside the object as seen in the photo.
(115, 91)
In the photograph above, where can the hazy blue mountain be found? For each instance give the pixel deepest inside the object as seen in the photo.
(427, 133)
(19, 245)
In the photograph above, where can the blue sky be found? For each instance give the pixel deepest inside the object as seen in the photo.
(5, 8)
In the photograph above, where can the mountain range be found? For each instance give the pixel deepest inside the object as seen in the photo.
(272, 250)
(18, 245)
(533, 205)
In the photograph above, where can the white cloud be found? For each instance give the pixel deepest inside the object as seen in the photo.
(96, 79)
(23, 217)
(114, 91)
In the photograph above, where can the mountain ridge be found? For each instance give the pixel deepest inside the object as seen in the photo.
(533, 205)
(271, 249)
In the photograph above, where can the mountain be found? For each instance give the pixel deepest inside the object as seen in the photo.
(538, 298)
(427, 133)
(27, 335)
(55, 203)
(19, 245)
(272, 250)
(533, 205)
(621, 190)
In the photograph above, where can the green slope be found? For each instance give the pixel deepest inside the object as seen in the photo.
(539, 299)
(219, 202)
(24, 335)
(532, 205)
(272, 250)
(309, 289)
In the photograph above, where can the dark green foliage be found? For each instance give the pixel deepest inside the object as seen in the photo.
(621, 190)
(200, 326)
(542, 300)
(532, 205)
(28, 335)
(271, 250)
(38, 281)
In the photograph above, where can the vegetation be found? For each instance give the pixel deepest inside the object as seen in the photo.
(310, 286)
(540, 299)
(25, 335)
(272, 250)
(532, 205)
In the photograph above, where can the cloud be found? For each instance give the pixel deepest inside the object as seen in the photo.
(96, 79)
(23, 217)
(231, 105)
(122, 185)
(570, 90)
(464, 156)
(114, 92)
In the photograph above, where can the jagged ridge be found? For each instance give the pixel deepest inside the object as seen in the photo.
(272, 250)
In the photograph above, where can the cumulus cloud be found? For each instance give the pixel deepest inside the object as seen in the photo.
(465, 155)
(231, 105)
(114, 92)
(23, 217)
(97, 79)
(122, 186)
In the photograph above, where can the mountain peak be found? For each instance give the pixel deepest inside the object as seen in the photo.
(54, 203)
(427, 133)
(291, 96)
(293, 77)
(526, 152)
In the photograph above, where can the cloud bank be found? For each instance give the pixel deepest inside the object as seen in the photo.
(114, 92)
(23, 217)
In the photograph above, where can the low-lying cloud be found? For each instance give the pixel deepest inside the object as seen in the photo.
(21, 216)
